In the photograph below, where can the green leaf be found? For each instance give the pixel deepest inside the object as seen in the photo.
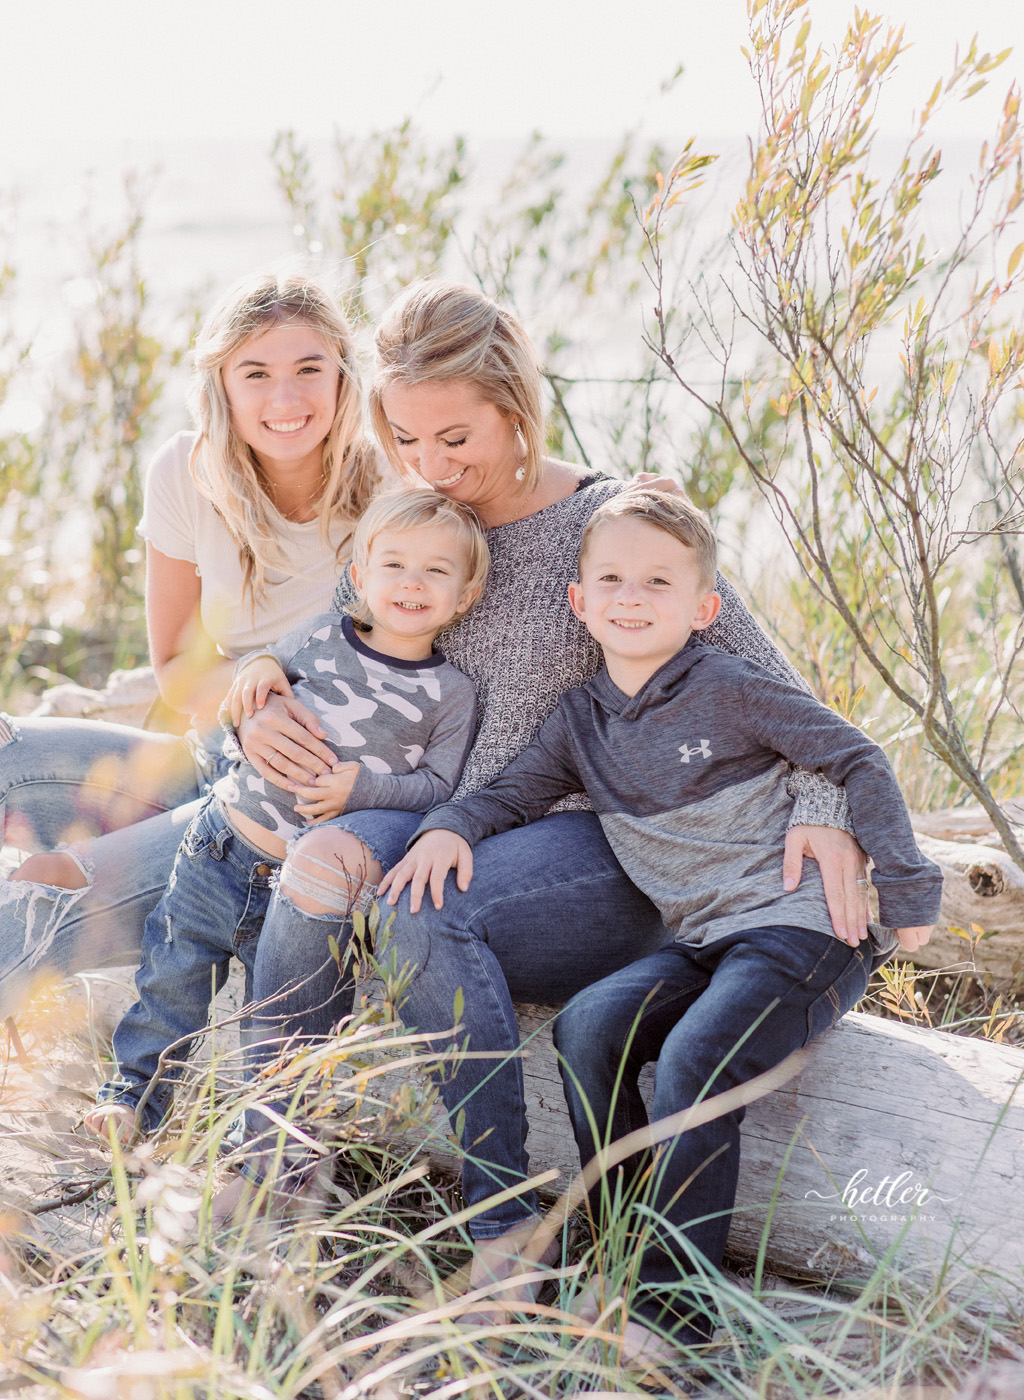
(458, 1006)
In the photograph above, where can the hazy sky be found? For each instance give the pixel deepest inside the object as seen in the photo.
(112, 71)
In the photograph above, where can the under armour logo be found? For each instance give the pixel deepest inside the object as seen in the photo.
(703, 748)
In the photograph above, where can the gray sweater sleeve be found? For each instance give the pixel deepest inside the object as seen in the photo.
(816, 800)
(434, 778)
(542, 773)
(801, 729)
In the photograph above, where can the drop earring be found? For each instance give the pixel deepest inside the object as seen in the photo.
(519, 451)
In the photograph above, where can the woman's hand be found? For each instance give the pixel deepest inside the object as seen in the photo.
(653, 481)
(252, 685)
(428, 863)
(913, 938)
(326, 797)
(283, 743)
(843, 868)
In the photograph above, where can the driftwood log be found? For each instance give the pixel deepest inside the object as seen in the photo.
(983, 898)
(893, 1144)
(125, 699)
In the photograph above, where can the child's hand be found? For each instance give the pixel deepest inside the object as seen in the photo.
(251, 686)
(913, 938)
(328, 794)
(428, 863)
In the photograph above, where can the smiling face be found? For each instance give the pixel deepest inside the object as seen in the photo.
(640, 596)
(282, 389)
(456, 442)
(414, 583)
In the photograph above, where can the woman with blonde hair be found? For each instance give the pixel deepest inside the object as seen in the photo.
(456, 405)
(247, 521)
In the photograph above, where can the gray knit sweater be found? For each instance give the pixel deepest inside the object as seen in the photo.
(522, 646)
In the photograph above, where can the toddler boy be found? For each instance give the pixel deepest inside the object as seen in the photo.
(382, 695)
(684, 751)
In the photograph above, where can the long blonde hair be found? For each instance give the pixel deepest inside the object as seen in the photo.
(224, 466)
(444, 331)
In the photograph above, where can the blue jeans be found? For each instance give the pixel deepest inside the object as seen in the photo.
(61, 779)
(548, 912)
(296, 975)
(213, 907)
(216, 905)
(710, 1018)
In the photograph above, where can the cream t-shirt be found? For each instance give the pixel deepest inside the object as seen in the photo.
(180, 523)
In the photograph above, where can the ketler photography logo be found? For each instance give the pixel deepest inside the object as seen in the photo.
(899, 1198)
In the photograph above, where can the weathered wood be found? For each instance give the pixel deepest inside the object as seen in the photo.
(921, 1131)
(970, 823)
(125, 699)
(981, 886)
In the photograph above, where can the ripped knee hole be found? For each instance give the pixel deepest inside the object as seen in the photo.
(340, 894)
(61, 869)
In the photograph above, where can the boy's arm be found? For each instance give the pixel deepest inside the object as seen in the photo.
(437, 773)
(542, 773)
(816, 800)
(523, 792)
(801, 729)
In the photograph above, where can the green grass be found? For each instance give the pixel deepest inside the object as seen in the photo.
(351, 1299)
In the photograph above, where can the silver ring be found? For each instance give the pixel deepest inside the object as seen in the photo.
(863, 882)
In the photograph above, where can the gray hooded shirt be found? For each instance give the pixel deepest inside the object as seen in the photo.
(688, 778)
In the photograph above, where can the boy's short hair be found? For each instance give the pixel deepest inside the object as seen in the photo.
(416, 508)
(671, 512)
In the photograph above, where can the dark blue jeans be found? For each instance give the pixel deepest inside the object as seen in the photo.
(549, 911)
(710, 1018)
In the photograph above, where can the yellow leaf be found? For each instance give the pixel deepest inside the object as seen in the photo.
(1015, 258)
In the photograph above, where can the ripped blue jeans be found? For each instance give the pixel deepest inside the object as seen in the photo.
(221, 893)
(297, 988)
(213, 908)
(123, 797)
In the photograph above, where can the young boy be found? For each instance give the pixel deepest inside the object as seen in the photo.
(405, 714)
(684, 752)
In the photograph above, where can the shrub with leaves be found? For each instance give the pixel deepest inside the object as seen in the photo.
(880, 414)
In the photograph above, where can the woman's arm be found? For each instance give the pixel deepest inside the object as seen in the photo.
(192, 676)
